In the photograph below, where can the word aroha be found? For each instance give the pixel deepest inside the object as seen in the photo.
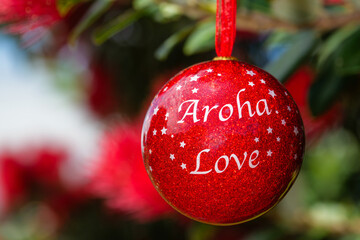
(192, 109)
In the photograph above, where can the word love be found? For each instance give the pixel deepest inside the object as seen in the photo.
(226, 111)
(253, 156)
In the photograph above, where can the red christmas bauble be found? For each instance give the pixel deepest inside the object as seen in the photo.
(223, 142)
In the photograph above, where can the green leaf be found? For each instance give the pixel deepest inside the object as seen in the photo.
(339, 63)
(335, 41)
(333, 159)
(164, 50)
(300, 47)
(103, 33)
(142, 4)
(257, 5)
(96, 10)
(266, 233)
(64, 6)
(200, 231)
(348, 59)
(202, 38)
(167, 12)
(324, 90)
(351, 69)
(208, 7)
(297, 11)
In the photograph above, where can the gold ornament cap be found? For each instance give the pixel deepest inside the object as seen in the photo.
(230, 58)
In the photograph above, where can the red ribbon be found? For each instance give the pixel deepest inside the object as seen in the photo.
(225, 27)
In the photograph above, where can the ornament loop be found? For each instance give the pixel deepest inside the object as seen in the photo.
(225, 27)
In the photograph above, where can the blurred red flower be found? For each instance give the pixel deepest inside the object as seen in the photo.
(299, 85)
(34, 174)
(26, 15)
(12, 188)
(121, 177)
(101, 96)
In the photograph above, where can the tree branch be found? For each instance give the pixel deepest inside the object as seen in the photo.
(258, 22)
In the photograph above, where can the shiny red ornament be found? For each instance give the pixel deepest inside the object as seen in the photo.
(223, 142)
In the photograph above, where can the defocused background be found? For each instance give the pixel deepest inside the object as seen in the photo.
(77, 76)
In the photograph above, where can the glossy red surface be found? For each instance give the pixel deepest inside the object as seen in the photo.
(222, 142)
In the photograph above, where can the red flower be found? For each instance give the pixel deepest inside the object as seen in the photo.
(121, 177)
(12, 188)
(44, 166)
(26, 15)
(101, 96)
(299, 85)
(36, 173)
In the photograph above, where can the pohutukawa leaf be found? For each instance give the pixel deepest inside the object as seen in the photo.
(95, 12)
(64, 6)
(164, 50)
(105, 32)
(202, 38)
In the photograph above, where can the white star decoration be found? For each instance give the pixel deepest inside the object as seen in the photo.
(172, 157)
(156, 110)
(172, 136)
(166, 116)
(251, 73)
(194, 78)
(286, 93)
(288, 108)
(182, 144)
(272, 93)
(256, 139)
(195, 90)
(165, 89)
(296, 131)
(262, 81)
(251, 84)
(276, 112)
(269, 130)
(154, 132)
(183, 166)
(283, 122)
(209, 70)
(179, 87)
(150, 168)
(163, 131)
(278, 139)
(150, 151)
(219, 74)
(269, 153)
